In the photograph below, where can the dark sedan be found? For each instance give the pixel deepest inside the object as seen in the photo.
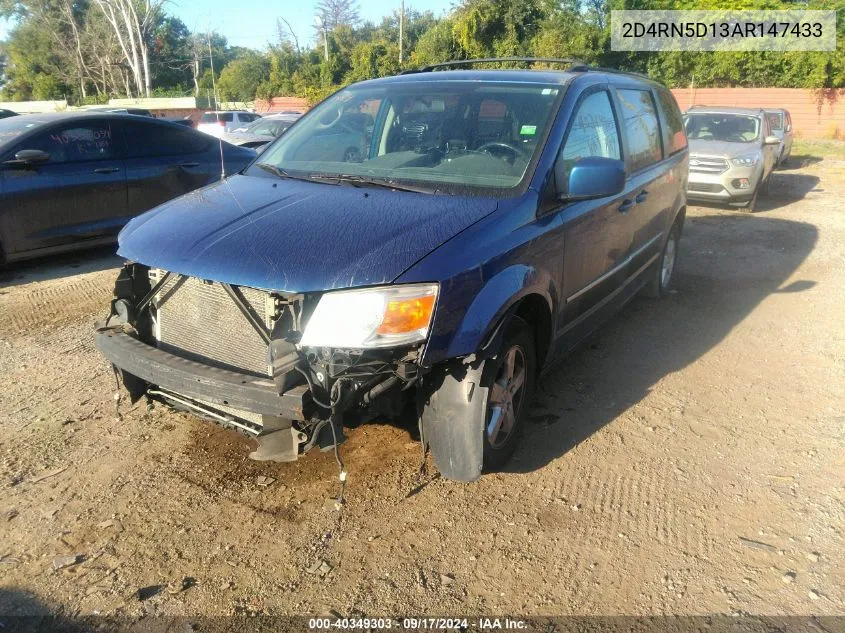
(71, 181)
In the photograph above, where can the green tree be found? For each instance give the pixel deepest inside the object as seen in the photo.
(241, 77)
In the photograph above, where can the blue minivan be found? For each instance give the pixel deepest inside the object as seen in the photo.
(474, 227)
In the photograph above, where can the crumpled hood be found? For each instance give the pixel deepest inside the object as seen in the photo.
(722, 149)
(296, 236)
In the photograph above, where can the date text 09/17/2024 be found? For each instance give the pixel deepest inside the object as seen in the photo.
(418, 624)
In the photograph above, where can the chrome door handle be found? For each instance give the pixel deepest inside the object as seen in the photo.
(626, 205)
(106, 170)
(642, 195)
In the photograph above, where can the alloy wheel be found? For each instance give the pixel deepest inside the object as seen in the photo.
(506, 396)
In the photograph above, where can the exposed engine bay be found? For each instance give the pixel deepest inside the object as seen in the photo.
(222, 334)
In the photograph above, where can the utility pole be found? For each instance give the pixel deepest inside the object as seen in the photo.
(213, 80)
(401, 30)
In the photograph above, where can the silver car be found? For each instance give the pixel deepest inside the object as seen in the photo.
(781, 122)
(732, 154)
(258, 134)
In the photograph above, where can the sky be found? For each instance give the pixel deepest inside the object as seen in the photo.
(252, 23)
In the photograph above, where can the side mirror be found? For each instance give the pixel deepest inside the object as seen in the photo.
(771, 140)
(592, 177)
(28, 158)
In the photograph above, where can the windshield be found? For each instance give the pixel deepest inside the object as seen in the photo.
(269, 127)
(730, 128)
(214, 117)
(450, 136)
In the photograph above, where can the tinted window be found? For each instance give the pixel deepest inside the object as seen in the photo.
(677, 138)
(76, 143)
(144, 140)
(641, 128)
(593, 132)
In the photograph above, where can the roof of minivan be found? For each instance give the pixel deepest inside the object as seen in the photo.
(543, 76)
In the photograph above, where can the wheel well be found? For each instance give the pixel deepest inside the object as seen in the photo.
(680, 218)
(534, 310)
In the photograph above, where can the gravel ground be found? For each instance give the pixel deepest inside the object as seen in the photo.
(688, 459)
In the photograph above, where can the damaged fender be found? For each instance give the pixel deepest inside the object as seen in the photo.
(452, 421)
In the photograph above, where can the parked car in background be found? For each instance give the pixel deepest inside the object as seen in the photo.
(113, 110)
(261, 132)
(490, 220)
(186, 121)
(5, 114)
(221, 122)
(732, 154)
(68, 181)
(781, 123)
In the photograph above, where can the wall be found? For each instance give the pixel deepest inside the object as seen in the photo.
(33, 107)
(281, 104)
(815, 114)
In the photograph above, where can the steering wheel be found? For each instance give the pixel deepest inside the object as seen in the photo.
(495, 147)
(320, 125)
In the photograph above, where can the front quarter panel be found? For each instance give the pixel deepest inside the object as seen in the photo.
(486, 270)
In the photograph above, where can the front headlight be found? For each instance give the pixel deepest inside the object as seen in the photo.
(388, 316)
(746, 161)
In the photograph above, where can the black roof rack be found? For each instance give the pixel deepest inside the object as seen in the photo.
(573, 65)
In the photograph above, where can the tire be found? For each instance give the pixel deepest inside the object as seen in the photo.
(504, 424)
(664, 274)
(765, 186)
(751, 204)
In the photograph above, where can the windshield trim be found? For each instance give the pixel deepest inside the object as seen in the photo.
(444, 188)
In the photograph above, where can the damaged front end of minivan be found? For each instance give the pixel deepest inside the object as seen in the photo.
(292, 370)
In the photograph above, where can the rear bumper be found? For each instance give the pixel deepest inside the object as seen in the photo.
(201, 382)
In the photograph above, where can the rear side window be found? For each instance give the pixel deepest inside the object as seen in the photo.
(146, 140)
(641, 128)
(676, 137)
(775, 120)
(76, 143)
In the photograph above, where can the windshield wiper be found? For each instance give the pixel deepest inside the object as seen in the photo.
(281, 173)
(362, 181)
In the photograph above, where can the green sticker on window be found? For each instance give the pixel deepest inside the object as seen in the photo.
(528, 130)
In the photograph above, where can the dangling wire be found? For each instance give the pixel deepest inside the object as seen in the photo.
(117, 394)
(336, 393)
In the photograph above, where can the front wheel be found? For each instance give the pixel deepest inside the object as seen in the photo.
(509, 395)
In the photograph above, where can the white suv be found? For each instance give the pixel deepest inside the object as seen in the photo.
(224, 121)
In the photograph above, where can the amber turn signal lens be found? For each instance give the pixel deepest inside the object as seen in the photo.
(407, 315)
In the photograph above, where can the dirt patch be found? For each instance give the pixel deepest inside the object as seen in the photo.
(682, 434)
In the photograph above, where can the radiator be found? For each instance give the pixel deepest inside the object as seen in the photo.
(198, 320)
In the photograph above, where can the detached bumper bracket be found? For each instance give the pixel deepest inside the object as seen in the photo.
(203, 382)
